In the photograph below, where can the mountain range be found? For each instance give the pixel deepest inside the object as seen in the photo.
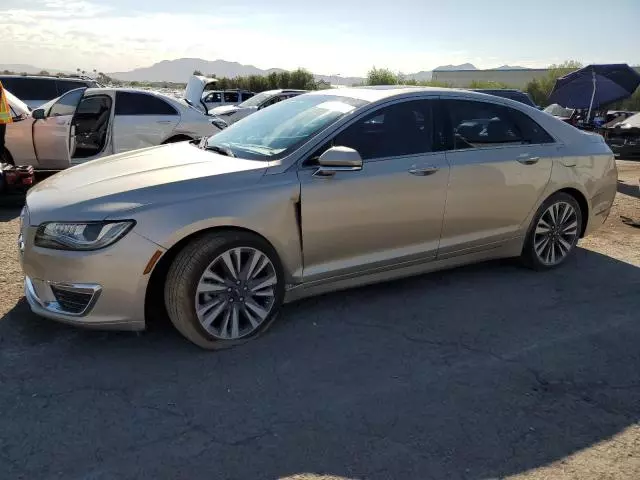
(180, 70)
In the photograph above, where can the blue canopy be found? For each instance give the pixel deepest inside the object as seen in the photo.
(595, 85)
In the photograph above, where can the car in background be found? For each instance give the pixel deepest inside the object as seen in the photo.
(329, 190)
(232, 113)
(624, 137)
(614, 117)
(567, 115)
(217, 98)
(511, 94)
(35, 90)
(86, 124)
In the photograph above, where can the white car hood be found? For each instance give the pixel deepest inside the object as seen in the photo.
(130, 180)
(18, 105)
(224, 109)
(195, 88)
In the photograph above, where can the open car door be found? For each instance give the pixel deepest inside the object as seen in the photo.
(52, 130)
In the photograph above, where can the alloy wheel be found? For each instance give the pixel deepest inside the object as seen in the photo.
(236, 293)
(556, 233)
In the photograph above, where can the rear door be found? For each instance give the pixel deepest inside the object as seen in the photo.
(51, 136)
(501, 162)
(142, 120)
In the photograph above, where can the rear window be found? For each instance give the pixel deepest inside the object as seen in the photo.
(231, 97)
(30, 89)
(511, 95)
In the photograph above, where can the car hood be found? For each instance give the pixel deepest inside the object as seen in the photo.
(195, 88)
(21, 108)
(224, 109)
(133, 180)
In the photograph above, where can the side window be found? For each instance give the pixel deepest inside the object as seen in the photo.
(65, 85)
(66, 105)
(531, 131)
(134, 103)
(402, 129)
(213, 97)
(26, 88)
(231, 97)
(481, 124)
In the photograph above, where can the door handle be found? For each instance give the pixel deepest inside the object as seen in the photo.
(163, 122)
(423, 171)
(529, 160)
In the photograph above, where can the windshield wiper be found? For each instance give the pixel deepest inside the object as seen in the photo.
(220, 150)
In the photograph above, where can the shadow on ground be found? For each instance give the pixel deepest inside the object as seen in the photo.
(629, 189)
(10, 208)
(480, 372)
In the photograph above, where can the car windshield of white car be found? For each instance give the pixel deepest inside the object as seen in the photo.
(256, 100)
(276, 131)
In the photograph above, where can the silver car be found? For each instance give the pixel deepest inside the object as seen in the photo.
(325, 191)
(230, 114)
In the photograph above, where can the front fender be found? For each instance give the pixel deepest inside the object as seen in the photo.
(267, 208)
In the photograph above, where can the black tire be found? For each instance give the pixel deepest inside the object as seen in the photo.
(529, 257)
(185, 272)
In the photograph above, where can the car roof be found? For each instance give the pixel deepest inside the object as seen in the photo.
(381, 92)
(48, 77)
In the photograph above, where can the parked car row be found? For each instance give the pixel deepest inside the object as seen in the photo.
(323, 191)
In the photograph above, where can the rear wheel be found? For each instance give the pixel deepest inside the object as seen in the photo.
(224, 289)
(554, 232)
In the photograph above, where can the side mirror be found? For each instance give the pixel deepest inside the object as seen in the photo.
(38, 114)
(338, 159)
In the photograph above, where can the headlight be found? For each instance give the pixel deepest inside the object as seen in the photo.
(81, 236)
(218, 122)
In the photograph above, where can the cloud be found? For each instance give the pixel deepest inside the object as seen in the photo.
(66, 34)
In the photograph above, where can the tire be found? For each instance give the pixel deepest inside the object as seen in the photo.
(561, 238)
(210, 254)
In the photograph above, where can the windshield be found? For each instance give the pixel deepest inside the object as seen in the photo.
(276, 131)
(559, 111)
(256, 100)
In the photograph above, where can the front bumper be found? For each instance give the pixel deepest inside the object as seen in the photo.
(101, 289)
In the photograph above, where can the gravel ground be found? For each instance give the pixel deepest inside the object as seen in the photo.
(488, 371)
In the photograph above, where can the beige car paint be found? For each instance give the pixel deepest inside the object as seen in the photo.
(354, 228)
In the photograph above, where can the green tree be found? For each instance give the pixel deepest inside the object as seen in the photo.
(43, 72)
(540, 88)
(381, 76)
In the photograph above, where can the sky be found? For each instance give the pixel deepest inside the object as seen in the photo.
(331, 37)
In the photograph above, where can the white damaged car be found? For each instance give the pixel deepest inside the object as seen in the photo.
(86, 124)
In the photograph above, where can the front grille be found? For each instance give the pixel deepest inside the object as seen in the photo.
(70, 301)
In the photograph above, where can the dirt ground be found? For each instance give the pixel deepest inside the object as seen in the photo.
(543, 384)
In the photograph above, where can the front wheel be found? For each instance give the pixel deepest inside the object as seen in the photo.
(554, 232)
(224, 289)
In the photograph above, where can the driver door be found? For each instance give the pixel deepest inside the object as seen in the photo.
(388, 214)
(52, 135)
